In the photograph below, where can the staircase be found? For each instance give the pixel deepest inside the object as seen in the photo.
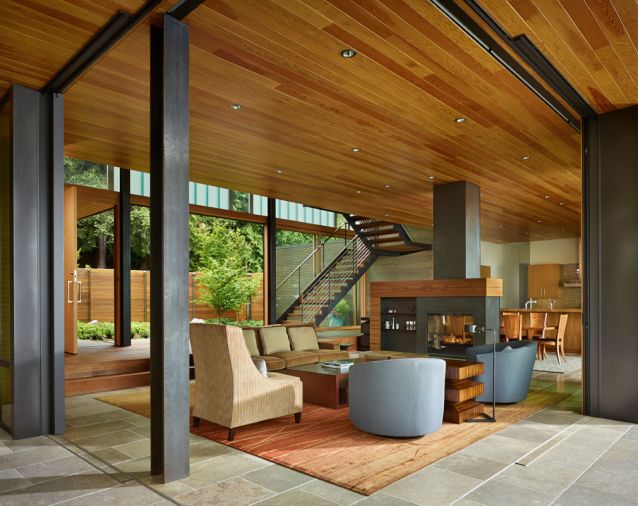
(383, 238)
(314, 301)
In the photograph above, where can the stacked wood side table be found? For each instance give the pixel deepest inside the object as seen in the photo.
(461, 390)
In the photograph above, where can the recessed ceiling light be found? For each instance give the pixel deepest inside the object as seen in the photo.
(386, 214)
(431, 178)
(387, 186)
(460, 120)
(562, 203)
(348, 53)
(539, 221)
(546, 196)
(562, 230)
(279, 171)
(236, 107)
(526, 157)
(500, 226)
(358, 191)
(356, 149)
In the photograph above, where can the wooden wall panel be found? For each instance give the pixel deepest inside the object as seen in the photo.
(97, 298)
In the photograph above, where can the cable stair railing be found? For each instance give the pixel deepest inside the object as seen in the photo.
(306, 297)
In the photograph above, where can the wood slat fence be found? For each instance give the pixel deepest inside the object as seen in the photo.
(98, 293)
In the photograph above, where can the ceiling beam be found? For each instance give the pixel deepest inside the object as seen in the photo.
(183, 8)
(461, 19)
(108, 37)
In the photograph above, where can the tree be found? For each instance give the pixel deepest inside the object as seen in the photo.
(96, 233)
(288, 238)
(226, 285)
(220, 239)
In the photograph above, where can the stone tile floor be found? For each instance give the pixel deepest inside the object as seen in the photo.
(554, 457)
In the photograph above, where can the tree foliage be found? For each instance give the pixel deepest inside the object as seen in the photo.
(97, 231)
(220, 239)
(288, 238)
(226, 285)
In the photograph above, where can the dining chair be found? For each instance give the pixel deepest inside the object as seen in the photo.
(558, 341)
(512, 325)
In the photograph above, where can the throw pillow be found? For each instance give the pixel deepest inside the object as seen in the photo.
(507, 348)
(251, 341)
(303, 338)
(260, 364)
(274, 339)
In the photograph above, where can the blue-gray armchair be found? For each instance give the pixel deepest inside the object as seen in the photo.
(513, 369)
(397, 398)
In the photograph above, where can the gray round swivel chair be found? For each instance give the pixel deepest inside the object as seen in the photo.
(397, 398)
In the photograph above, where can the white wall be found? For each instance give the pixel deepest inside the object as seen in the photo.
(504, 260)
(555, 251)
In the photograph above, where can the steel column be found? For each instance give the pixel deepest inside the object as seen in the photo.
(169, 246)
(52, 129)
(122, 271)
(37, 174)
(271, 261)
(610, 247)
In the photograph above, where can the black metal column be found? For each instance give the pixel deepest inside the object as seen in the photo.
(610, 237)
(37, 172)
(123, 269)
(52, 170)
(169, 250)
(28, 411)
(271, 260)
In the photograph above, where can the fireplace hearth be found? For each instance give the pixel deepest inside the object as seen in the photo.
(446, 333)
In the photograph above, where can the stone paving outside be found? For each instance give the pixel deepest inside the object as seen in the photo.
(555, 457)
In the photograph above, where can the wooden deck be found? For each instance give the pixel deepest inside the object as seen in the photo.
(99, 367)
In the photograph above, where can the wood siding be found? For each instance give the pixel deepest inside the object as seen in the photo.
(97, 298)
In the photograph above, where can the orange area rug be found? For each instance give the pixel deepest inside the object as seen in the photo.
(327, 446)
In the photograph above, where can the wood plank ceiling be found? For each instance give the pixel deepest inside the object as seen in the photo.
(593, 43)
(304, 108)
(38, 37)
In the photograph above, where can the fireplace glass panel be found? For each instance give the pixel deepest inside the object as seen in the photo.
(446, 333)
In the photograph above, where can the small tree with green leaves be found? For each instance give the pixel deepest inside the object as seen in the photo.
(226, 285)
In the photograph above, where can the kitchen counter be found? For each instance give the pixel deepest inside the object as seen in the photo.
(573, 332)
(542, 310)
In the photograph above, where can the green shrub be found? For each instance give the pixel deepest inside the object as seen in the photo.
(95, 331)
(140, 330)
(101, 331)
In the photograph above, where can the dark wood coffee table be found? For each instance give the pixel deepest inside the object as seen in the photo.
(321, 385)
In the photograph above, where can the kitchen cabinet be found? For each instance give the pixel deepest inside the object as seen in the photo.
(543, 281)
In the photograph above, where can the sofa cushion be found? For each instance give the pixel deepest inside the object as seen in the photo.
(250, 336)
(303, 338)
(260, 364)
(326, 355)
(294, 358)
(273, 363)
(274, 339)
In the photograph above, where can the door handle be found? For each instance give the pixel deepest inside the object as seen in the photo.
(79, 300)
(68, 292)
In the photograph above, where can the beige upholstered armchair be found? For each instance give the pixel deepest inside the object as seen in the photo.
(229, 390)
